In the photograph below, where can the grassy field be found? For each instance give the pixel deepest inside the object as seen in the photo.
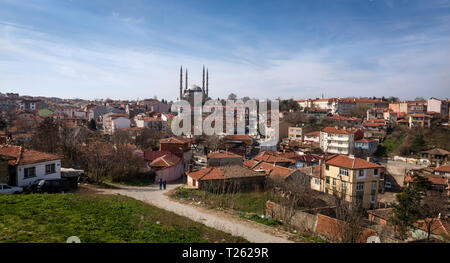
(97, 218)
(252, 202)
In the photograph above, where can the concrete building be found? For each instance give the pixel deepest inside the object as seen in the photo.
(354, 179)
(437, 105)
(312, 137)
(295, 133)
(339, 141)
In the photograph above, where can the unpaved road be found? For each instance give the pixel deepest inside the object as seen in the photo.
(251, 231)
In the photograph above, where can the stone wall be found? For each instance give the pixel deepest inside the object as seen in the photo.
(325, 226)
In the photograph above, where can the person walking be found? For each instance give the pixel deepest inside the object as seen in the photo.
(160, 183)
(164, 184)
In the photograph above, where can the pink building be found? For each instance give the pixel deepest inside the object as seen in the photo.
(168, 167)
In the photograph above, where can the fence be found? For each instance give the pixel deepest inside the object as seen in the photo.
(322, 225)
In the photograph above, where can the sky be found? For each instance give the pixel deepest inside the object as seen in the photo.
(299, 49)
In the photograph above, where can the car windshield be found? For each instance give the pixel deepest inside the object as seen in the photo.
(38, 182)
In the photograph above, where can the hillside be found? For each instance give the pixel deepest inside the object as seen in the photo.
(404, 141)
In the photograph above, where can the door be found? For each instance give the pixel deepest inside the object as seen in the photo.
(12, 171)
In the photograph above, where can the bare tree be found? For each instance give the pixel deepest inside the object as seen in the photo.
(350, 224)
(212, 143)
(47, 138)
(148, 139)
(120, 138)
(433, 205)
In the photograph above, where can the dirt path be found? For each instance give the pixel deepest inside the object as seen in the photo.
(253, 232)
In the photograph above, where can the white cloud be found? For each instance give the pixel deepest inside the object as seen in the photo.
(37, 64)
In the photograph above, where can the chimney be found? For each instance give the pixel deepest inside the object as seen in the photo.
(368, 158)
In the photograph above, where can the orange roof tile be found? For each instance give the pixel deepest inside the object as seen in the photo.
(26, 156)
(351, 163)
(443, 168)
(315, 133)
(222, 154)
(271, 157)
(166, 160)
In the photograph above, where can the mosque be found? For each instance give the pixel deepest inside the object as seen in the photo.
(188, 93)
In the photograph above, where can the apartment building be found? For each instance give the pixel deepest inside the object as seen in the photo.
(419, 120)
(324, 104)
(295, 133)
(439, 106)
(312, 137)
(339, 141)
(345, 106)
(416, 107)
(355, 180)
(115, 122)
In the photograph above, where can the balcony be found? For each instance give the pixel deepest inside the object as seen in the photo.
(337, 138)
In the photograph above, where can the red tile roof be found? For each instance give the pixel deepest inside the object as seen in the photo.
(174, 140)
(149, 156)
(274, 171)
(314, 133)
(24, 156)
(222, 154)
(333, 130)
(166, 160)
(434, 179)
(440, 226)
(272, 157)
(365, 141)
(351, 163)
(223, 172)
(443, 168)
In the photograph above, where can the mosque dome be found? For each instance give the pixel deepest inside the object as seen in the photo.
(194, 88)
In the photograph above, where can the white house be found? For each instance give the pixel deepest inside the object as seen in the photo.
(117, 121)
(27, 166)
(339, 141)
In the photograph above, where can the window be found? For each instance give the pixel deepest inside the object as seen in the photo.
(374, 185)
(327, 180)
(327, 167)
(50, 169)
(29, 172)
(317, 181)
(334, 182)
(360, 187)
(343, 171)
(360, 173)
(372, 199)
(375, 171)
(344, 186)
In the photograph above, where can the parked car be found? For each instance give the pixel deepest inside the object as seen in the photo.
(388, 185)
(50, 186)
(6, 189)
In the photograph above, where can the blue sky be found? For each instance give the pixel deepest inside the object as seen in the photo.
(261, 49)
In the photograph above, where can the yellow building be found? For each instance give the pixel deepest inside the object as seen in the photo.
(354, 179)
(295, 133)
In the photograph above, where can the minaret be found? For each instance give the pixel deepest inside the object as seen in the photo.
(207, 90)
(203, 82)
(181, 81)
(186, 84)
